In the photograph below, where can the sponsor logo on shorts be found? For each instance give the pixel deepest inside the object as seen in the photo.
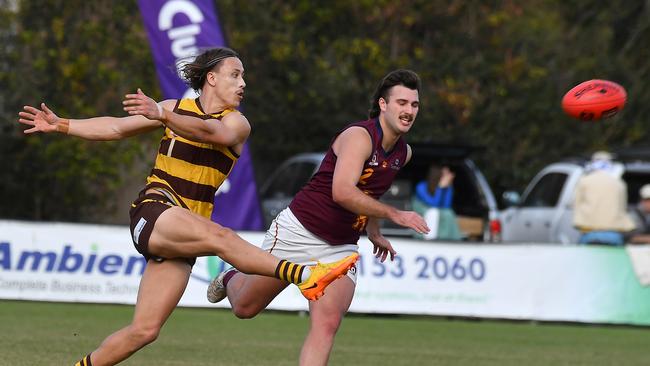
(352, 273)
(138, 230)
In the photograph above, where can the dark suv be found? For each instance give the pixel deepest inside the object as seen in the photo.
(474, 202)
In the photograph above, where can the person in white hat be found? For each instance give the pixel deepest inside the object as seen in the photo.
(642, 234)
(600, 203)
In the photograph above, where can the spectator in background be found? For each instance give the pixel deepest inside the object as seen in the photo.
(433, 199)
(642, 233)
(600, 203)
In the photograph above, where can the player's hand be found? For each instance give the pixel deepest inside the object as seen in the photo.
(141, 104)
(381, 247)
(411, 220)
(41, 120)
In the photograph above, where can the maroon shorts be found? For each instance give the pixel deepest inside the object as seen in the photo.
(144, 212)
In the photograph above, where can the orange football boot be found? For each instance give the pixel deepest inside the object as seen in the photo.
(324, 274)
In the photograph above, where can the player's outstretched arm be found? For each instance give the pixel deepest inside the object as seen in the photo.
(98, 128)
(232, 130)
(352, 148)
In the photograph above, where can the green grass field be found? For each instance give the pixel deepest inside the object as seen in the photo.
(34, 333)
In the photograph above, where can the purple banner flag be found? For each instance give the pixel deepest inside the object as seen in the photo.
(178, 30)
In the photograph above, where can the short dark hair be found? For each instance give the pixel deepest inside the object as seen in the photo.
(194, 72)
(402, 77)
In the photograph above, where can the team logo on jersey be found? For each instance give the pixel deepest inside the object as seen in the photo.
(373, 161)
(395, 165)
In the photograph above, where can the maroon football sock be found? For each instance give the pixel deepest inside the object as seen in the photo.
(228, 276)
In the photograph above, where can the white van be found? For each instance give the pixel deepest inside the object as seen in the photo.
(544, 213)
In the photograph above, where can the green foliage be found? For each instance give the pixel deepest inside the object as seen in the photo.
(493, 75)
(71, 55)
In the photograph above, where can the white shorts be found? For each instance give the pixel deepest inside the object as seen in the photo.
(287, 239)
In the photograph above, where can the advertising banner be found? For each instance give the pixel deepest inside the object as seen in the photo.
(178, 30)
(98, 264)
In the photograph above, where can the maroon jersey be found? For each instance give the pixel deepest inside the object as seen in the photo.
(314, 206)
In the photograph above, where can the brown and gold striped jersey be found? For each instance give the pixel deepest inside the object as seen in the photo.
(192, 171)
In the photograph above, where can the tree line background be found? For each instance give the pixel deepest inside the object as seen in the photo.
(493, 75)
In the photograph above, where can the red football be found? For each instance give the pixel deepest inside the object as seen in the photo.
(594, 99)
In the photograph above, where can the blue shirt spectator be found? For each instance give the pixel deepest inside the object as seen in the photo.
(436, 194)
(441, 198)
